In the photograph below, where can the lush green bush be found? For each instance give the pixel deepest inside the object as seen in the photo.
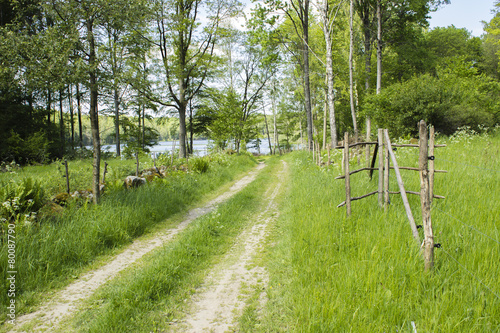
(23, 198)
(200, 164)
(447, 102)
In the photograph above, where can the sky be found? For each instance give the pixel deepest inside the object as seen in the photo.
(464, 14)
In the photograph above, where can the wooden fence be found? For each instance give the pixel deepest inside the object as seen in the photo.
(384, 151)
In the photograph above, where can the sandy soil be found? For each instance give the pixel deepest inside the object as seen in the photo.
(65, 302)
(222, 297)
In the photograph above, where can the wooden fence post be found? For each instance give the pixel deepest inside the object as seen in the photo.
(137, 164)
(402, 188)
(381, 167)
(67, 176)
(387, 166)
(368, 137)
(424, 196)
(431, 162)
(347, 176)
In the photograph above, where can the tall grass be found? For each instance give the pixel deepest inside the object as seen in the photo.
(146, 298)
(330, 273)
(49, 254)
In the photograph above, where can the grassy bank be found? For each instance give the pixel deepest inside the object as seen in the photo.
(330, 273)
(148, 297)
(52, 252)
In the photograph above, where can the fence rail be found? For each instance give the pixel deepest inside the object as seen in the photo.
(384, 152)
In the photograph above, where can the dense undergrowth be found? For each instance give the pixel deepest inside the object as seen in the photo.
(53, 250)
(330, 273)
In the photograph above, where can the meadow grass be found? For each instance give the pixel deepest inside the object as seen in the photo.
(51, 253)
(329, 273)
(147, 297)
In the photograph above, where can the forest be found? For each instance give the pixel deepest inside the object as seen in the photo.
(303, 71)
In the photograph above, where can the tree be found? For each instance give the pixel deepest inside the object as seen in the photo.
(188, 53)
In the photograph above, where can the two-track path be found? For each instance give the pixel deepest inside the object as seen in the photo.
(65, 302)
(221, 299)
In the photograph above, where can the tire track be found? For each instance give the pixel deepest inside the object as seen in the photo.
(221, 299)
(66, 301)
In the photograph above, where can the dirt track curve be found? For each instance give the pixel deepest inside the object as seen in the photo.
(66, 301)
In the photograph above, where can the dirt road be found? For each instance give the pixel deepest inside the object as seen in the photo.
(66, 301)
(220, 301)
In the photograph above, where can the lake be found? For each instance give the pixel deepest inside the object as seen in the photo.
(200, 147)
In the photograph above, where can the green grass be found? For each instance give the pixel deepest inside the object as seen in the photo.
(50, 254)
(330, 273)
(147, 297)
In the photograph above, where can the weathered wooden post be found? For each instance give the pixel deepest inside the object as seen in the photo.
(401, 188)
(368, 137)
(431, 162)
(381, 167)
(387, 165)
(425, 196)
(137, 164)
(67, 176)
(347, 176)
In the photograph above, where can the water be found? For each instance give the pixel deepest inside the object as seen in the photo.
(200, 147)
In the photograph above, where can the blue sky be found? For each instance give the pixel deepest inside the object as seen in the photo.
(464, 14)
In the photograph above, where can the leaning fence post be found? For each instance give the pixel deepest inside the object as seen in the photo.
(347, 176)
(401, 187)
(381, 167)
(424, 196)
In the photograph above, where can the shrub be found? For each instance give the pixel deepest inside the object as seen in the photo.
(448, 103)
(200, 164)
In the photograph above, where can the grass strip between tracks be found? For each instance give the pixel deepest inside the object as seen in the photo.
(148, 297)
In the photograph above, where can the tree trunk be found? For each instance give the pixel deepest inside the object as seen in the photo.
(191, 132)
(276, 140)
(143, 126)
(71, 116)
(61, 122)
(324, 121)
(267, 131)
(49, 104)
(329, 74)
(379, 47)
(117, 120)
(79, 110)
(307, 85)
(94, 118)
(351, 74)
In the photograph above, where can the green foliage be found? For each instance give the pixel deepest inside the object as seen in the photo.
(447, 102)
(20, 202)
(200, 164)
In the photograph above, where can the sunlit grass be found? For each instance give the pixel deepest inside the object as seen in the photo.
(330, 273)
(50, 253)
(149, 296)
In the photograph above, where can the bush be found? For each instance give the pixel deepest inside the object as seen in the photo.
(200, 164)
(448, 102)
